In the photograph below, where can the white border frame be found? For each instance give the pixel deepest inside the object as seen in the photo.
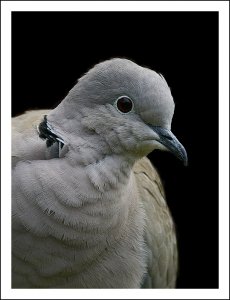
(223, 8)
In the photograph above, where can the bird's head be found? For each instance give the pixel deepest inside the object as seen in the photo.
(128, 107)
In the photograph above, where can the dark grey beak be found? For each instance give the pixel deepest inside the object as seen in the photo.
(168, 139)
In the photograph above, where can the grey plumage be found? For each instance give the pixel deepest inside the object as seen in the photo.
(89, 210)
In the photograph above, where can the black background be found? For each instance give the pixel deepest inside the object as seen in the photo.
(51, 50)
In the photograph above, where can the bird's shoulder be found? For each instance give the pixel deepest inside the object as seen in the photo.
(30, 119)
(26, 143)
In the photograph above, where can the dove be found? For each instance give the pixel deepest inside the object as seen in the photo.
(88, 208)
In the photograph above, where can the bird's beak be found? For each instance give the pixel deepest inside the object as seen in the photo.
(168, 139)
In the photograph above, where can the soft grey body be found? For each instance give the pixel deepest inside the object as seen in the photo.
(91, 215)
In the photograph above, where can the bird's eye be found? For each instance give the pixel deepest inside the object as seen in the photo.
(124, 104)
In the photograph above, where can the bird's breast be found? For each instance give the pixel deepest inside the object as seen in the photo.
(68, 234)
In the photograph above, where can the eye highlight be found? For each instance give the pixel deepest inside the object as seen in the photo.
(124, 104)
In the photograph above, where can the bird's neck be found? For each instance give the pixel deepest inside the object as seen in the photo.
(99, 201)
(99, 176)
(104, 172)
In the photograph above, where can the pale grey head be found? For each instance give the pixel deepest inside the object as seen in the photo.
(118, 100)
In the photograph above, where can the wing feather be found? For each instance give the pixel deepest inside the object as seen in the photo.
(159, 232)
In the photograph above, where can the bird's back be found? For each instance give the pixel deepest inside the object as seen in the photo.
(26, 144)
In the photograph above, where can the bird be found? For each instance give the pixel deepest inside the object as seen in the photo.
(89, 209)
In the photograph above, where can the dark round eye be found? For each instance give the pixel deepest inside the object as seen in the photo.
(124, 104)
